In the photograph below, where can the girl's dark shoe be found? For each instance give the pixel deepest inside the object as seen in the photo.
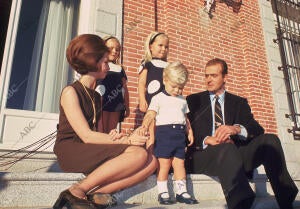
(163, 200)
(101, 200)
(180, 198)
(72, 202)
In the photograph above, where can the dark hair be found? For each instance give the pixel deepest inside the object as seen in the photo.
(84, 51)
(219, 61)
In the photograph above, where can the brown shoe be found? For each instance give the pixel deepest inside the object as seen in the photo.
(66, 198)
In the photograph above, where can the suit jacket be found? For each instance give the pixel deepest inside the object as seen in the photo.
(236, 111)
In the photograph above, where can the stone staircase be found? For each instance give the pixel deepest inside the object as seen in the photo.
(37, 182)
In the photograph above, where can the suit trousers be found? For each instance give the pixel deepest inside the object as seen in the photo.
(230, 163)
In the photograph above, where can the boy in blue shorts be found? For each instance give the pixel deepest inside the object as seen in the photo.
(168, 111)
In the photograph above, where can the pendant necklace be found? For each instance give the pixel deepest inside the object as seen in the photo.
(93, 104)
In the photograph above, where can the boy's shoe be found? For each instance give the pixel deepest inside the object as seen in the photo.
(190, 200)
(164, 200)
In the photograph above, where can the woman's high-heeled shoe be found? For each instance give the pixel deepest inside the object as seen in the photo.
(101, 200)
(72, 202)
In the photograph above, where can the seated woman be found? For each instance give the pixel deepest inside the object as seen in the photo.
(112, 161)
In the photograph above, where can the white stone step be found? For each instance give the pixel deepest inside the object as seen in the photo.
(35, 189)
(37, 182)
(260, 203)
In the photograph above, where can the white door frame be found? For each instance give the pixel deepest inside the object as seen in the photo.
(19, 128)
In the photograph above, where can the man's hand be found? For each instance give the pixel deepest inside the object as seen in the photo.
(224, 132)
(212, 140)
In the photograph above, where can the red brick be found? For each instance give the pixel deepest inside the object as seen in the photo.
(194, 39)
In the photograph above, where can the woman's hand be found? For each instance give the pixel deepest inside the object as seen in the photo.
(142, 131)
(138, 137)
(115, 134)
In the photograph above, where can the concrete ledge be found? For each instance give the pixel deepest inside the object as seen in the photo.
(33, 189)
(42, 189)
(37, 182)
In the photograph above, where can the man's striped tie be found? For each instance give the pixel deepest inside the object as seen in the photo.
(218, 113)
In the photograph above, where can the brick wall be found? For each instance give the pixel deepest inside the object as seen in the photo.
(194, 39)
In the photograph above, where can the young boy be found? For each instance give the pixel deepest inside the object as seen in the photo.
(168, 111)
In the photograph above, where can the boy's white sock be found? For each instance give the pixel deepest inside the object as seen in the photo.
(162, 187)
(180, 186)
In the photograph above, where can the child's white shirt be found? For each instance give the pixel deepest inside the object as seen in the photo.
(169, 109)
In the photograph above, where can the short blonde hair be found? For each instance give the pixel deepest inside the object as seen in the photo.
(176, 72)
(149, 40)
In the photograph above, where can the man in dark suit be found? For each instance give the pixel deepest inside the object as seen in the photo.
(230, 143)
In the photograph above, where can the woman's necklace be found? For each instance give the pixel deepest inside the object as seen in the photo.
(94, 106)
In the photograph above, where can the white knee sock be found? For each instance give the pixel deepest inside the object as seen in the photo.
(180, 186)
(162, 187)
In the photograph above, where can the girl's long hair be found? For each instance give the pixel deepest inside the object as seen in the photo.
(106, 38)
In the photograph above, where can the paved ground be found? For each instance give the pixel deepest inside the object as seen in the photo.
(262, 203)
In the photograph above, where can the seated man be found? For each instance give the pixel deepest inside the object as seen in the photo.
(230, 143)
